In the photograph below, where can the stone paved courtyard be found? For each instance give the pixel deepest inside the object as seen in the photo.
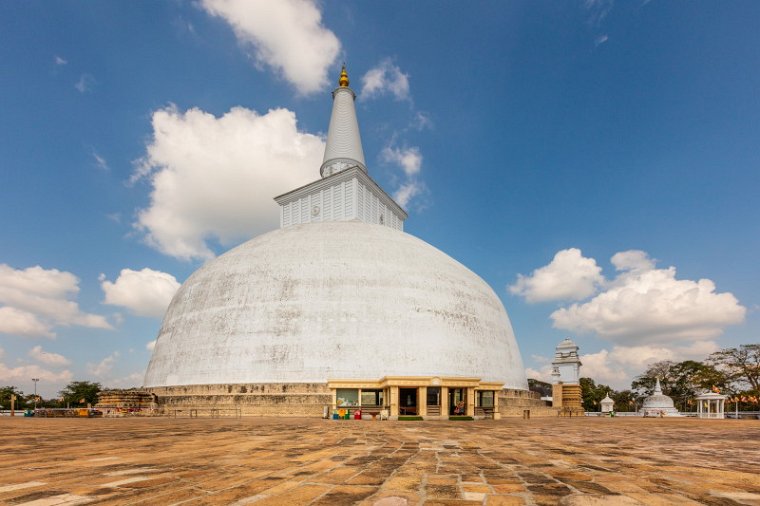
(577, 461)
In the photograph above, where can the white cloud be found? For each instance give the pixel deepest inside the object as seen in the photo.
(648, 305)
(23, 374)
(407, 192)
(100, 162)
(60, 61)
(104, 366)
(421, 121)
(632, 260)
(145, 293)
(619, 366)
(23, 323)
(47, 357)
(286, 35)
(569, 276)
(150, 345)
(35, 300)
(409, 159)
(85, 83)
(544, 373)
(385, 78)
(131, 380)
(215, 178)
(601, 39)
(598, 367)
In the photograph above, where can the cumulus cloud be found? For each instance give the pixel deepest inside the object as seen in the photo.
(104, 366)
(569, 276)
(407, 191)
(134, 379)
(543, 373)
(385, 78)
(47, 357)
(618, 366)
(642, 304)
(286, 35)
(150, 345)
(633, 261)
(144, 293)
(36, 300)
(23, 373)
(409, 159)
(215, 178)
(23, 323)
(649, 305)
(599, 367)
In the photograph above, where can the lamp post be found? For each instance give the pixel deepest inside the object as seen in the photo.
(35, 392)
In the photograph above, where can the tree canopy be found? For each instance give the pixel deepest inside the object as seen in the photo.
(731, 371)
(80, 393)
(5, 396)
(740, 365)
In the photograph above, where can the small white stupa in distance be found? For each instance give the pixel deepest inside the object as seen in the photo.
(658, 404)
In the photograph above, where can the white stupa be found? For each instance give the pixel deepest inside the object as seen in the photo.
(607, 404)
(339, 295)
(658, 404)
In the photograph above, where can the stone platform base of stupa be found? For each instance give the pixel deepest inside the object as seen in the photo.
(295, 400)
(262, 399)
(660, 413)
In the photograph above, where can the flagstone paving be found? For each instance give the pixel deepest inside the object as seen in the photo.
(570, 461)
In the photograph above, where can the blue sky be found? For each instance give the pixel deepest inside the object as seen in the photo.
(596, 162)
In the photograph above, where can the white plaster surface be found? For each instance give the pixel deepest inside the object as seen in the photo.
(344, 144)
(328, 300)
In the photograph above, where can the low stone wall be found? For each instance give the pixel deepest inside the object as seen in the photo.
(298, 399)
(270, 399)
(133, 398)
(513, 403)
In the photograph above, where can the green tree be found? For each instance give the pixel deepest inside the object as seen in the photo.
(5, 396)
(691, 378)
(741, 366)
(80, 393)
(643, 384)
(681, 381)
(625, 400)
(592, 394)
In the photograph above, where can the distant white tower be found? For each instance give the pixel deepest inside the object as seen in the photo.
(566, 367)
(566, 373)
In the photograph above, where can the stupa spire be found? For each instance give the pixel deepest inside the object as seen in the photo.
(657, 387)
(344, 144)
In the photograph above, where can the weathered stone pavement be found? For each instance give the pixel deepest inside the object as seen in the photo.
(576, 461)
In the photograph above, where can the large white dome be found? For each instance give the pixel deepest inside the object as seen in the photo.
(334, 300)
